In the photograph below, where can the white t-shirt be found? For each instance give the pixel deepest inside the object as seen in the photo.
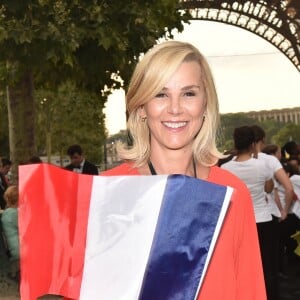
(295, 180)
(295, 207)
(271, 201)
(273, 164)
(254, 174)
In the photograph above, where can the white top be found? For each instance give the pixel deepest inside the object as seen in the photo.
(254, 173)
(271, 201)
(271, 162)
(295, 180)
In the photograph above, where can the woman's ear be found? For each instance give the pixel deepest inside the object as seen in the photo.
(142, 113)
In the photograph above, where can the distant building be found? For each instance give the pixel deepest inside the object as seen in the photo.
(285, 115)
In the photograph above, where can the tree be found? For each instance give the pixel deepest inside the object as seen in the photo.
(228, 123)
(290, 132)
(4, 149)
(276, 132)
(271, 127)
(46, 42)
(70, 116)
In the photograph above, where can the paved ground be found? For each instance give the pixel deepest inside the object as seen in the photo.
(289, 282)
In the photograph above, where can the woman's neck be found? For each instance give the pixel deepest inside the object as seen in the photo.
(243, 156)
(175, 162)
(168, 161)
(163, 165)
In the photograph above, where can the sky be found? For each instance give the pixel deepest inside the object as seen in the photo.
(250, 73)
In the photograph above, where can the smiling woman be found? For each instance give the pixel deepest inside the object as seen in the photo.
(149, 85)
(173, 118)
(175, 114)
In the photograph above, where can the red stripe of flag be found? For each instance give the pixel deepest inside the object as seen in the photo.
(51, 265)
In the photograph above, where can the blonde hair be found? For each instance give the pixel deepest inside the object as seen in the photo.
(11, 195)
(148, 79)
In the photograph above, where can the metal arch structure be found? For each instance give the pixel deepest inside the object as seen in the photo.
(277, 21)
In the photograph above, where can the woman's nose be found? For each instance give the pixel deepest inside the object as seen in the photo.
(175, 106)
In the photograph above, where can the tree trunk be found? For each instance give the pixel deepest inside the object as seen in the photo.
(48, 146)
(21, 120)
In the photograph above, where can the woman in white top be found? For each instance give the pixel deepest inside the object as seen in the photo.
(273, 199)
(258, 179)
(291, 224)
(252, 171)
(275, 167)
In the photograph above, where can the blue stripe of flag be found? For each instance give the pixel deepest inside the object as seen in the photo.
(186, 224)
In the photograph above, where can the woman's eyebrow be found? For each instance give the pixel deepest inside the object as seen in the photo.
(190, 87)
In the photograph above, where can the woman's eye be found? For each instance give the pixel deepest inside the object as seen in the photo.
(160, 95)
(190, 94)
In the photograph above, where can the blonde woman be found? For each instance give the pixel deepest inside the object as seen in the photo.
(173, 118)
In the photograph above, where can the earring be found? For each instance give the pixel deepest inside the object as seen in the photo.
(143, 119)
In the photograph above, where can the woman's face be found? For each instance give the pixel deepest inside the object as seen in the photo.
(175, 114)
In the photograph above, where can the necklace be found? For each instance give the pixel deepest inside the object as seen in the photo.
(153, 172)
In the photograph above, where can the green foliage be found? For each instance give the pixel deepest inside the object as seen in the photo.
(93, 43)
(85, 41)
(70, 116)
(121, 136)
(276, 132)
(228, 123)
(290, 132)
(4, 141)
(271, 127)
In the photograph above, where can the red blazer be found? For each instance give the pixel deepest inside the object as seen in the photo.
(235, 271)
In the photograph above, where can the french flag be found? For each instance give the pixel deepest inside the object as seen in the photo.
(118, 237)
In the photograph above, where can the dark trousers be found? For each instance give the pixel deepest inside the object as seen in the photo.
(287, 245)
(268, 235)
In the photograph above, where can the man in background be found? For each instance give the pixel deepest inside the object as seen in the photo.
(78, 163)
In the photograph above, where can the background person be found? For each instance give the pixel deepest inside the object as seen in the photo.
(78, 163)
(275, 167)
(259, 179)
(291, 224)
(9, 219)
(273, 198)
